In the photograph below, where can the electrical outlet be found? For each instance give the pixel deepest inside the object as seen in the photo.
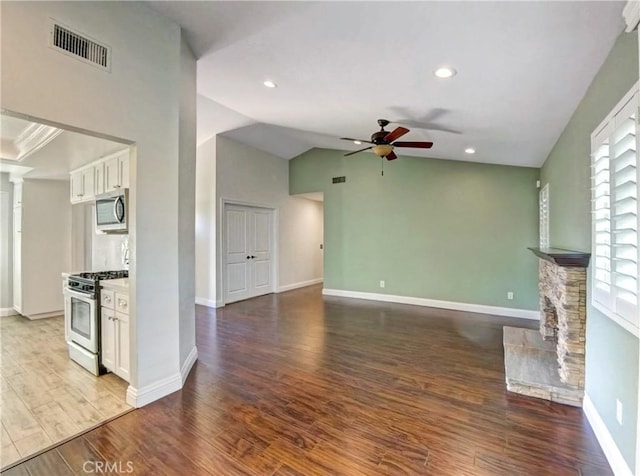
(619, 411)
(381, 283)
(510, 295)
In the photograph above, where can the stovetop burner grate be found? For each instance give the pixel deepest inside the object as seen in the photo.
(100, 275)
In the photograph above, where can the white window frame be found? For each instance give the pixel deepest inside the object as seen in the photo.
(543, 207)
(615, 219)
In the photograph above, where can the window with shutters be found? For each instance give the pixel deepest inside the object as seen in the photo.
(544, 216)
(615, 211)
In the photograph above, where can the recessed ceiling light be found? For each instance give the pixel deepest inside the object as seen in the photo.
(357, 142)
(270, 84)
(469, 150)
(445, 72)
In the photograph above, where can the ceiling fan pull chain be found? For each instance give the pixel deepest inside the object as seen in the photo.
(382, 166)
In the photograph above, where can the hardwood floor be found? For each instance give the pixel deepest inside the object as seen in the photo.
(45, 397)
(295, 383)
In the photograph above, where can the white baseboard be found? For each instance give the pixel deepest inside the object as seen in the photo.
(618, 465)
(8, 311)
(205, 302)
(188, 364)
(143, 396)
(301, 284)
(210, 302)
(45, 315)
(456, 306)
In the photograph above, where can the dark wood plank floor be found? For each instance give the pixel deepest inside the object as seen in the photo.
(295, 383)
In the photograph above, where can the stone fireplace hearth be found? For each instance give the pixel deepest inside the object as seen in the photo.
(549, 364)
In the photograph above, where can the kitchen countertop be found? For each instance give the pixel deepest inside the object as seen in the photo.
(120, 285)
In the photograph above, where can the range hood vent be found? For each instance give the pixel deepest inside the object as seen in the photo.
(65, 40)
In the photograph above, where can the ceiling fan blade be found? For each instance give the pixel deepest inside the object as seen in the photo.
(356, 151)
(391, 156)
(418, 145)
(395, 134)
(359, 140)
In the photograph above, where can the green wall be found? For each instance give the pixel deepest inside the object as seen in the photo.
(438, 229)
(612, 352)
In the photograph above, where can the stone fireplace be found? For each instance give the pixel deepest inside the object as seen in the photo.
(550, 363)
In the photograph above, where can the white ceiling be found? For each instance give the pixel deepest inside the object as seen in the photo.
(57, 157)
(522, 69)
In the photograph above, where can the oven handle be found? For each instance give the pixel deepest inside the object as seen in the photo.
(81, 296)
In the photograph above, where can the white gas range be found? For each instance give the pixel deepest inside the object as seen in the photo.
(82, 317)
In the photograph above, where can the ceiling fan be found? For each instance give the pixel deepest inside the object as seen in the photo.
(383, 142)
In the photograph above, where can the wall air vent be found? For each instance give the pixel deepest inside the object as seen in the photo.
(72, 43)
(339, 179)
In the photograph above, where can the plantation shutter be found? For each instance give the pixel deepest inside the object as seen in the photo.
(615, 214)
(601, 219)
(624, 211)
(544, 216)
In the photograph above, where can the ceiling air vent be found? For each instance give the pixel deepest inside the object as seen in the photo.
(79, 46)
(342, 179)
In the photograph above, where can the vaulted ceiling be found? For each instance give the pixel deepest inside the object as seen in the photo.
(522, 68)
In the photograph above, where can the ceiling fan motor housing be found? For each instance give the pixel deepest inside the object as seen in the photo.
(378, 137)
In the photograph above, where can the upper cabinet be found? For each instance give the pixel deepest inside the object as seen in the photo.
(82, 185)
(104, 175)
(116, 172)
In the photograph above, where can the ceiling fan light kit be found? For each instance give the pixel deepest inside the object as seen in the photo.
(382, 150)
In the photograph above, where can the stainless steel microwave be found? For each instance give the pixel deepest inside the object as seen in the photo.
(112, 211)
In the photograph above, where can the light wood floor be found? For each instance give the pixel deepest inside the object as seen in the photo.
(303, 384)
(45, 397)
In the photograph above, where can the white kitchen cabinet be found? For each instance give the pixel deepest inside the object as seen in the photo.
(108, 343)
(98, 174)
(115, 331)
(104, 175)
(116, 172)
(82, 185)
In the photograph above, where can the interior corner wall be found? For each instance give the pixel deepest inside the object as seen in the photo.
(138, 101)
(248, 175)
(205, 223)
(433, 229)
(186, 204)
(6, 245)
(611, 351)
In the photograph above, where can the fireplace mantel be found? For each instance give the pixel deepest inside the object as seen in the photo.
(564, 258)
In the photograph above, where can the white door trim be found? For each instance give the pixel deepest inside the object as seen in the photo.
(222, 256)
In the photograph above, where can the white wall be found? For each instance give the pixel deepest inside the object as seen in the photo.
(205, 224)
(6, 245)
(46, 244)
(249, 175)
(139, 101)
(186, 205)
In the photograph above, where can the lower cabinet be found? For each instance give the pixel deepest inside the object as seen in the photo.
(115, 335)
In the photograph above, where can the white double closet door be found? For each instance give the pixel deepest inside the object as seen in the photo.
(248, 235)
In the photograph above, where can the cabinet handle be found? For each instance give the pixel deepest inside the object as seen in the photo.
(107, 299)
(109, 317)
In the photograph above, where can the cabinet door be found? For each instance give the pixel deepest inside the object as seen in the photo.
(98, 174)
(123, 161)
(77, 187)
(108, 334)
(111, 174)
(122, 346)
(88, 192)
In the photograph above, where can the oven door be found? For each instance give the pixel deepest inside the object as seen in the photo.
(81, 320)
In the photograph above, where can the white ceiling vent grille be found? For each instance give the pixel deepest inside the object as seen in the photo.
(79, 46)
